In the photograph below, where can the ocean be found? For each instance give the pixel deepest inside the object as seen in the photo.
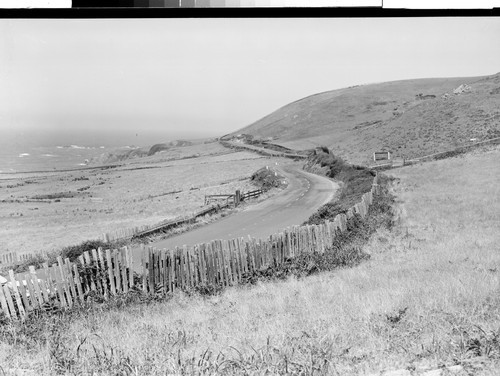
(47, 158)
(49, 151)
(35, 152)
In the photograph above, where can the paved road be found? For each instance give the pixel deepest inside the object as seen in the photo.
(304, 195)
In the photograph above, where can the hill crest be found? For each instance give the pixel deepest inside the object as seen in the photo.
(408, 117)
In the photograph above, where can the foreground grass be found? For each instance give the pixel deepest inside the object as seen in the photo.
(428, 296)
(80, 341)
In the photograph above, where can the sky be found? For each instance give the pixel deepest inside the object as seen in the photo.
(152, 80)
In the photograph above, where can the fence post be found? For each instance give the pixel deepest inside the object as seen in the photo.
(216, 263)
(110, 272)
(179, 269)
(151, 269)
(64, 281)
(38, 298)
(100, 262)
(209, 264)
(343, 222)
(3, 302)
(60, 288)
(123, 261)
(22, 290)
(10, 303)
(78, 283)
(163, 270)
(202, 266)
(22, 312)
(71, 279)
(171, 274)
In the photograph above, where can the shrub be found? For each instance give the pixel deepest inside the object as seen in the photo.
(267, 179)
(356, 181)
(74, 251)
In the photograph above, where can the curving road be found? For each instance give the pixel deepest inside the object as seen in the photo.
(305, 193)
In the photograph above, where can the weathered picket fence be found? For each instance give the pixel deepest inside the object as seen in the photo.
(226, 262)
(64, 284)
(10, 258)
(217, 263)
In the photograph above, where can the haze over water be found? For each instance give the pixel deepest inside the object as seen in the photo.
(24, 151)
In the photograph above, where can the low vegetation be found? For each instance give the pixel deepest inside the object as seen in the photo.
(266, 178)
(355, 181)
(166, 146)
(72, 252)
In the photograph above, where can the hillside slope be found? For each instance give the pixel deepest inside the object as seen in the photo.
(410, 117)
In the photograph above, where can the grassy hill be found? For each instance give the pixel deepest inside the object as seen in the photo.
(410, 117)
(426, 298)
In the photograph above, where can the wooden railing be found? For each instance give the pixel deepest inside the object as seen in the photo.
(222, 200)
(227, 198)
(233, 198)
(251, 194)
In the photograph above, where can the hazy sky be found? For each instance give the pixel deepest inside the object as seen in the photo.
(207, 77)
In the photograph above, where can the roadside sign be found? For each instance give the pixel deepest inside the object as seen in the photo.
(381, 156)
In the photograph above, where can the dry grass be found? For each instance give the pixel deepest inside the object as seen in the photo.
(429, 296)
(357, 121)
(38, 213)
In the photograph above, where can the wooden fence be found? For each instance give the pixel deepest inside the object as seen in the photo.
(8, 258)
(403, 161)
(12, 257)
(130, 233)
(219, 262)
(64, 284)
(263, 151)
(251, 194)
(228, 200)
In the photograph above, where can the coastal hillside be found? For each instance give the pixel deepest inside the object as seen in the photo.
(410, 118)
(126, 153)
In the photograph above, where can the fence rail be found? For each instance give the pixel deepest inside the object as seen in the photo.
(179, 221)
(219, 262)
(250, 194)
(404, 161)
(144, 230)
(224, 197)
(228, 200)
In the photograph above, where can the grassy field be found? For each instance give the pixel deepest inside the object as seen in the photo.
(429, 296)
(410, 118)
(46, 211)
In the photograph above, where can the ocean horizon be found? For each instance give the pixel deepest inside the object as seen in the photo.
(28, 153)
